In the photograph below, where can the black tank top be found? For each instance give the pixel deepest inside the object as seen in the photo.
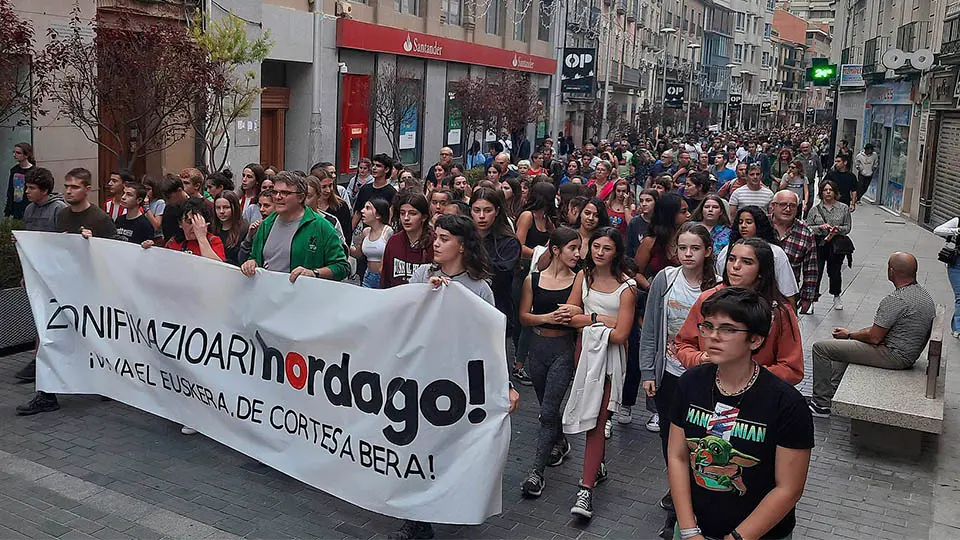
(546, 300)
(536, 237)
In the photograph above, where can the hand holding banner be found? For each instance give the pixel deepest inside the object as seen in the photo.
(393, 400)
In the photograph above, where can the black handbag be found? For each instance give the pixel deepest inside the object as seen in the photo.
(948, 254)
(842, 245)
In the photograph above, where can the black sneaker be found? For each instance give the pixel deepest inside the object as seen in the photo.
(583, 507)
(41, 402)
(818, 411)
(28, 373)
(413, 530)
(601, 473)
(521, 376)
(533, 485)
(667, 531)
(666, 502)
(559, 452)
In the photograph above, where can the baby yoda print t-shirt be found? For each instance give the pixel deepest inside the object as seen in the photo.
(733, 443)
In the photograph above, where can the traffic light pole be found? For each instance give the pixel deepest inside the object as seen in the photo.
(836, 121)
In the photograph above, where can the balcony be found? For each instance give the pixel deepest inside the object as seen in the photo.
(851, 55)
(914, 36)
(873, 49)
(790, 62)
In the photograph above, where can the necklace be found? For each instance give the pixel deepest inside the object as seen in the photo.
(753, 379)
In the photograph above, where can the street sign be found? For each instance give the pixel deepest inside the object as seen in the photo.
(579, 70)
(735, 101)
(765, 108)
(675, 94)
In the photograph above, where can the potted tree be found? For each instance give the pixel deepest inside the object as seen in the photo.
(16, 319)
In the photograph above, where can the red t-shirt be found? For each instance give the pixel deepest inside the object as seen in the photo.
(194, 247)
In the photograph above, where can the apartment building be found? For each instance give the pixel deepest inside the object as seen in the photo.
(819, 105)
(789, 67)
(888, 110)
(816, 12)
(751, 56)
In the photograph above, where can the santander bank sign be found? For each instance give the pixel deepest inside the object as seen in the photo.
(415, 46)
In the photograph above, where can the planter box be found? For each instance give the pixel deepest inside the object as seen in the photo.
(16, 319)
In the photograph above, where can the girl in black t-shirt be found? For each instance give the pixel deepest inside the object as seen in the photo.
(740, 438)
(229, 224)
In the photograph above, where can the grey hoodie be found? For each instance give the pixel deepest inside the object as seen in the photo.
(43, 217)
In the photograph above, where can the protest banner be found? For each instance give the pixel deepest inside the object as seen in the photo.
(393, 400)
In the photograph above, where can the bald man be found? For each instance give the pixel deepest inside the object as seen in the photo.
(446, 160)
(899, 333)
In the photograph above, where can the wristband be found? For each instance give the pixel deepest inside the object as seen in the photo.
(690, 533)
(735, 535)
(593, 318)
(316, 273)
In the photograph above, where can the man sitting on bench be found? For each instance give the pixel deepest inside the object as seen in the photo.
(899, 333)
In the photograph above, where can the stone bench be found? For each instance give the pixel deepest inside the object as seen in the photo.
(890, 410)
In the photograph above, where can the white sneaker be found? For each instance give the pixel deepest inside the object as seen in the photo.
(608, 429)
(624, 415)
(653, 424)
(188, 430)
(955, 334)
(837, 304)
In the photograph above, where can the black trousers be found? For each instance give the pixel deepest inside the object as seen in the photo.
(834, 263)
(863, 184)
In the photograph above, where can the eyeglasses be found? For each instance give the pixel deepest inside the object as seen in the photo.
(446, 154)
(724, 331)
(284, 193)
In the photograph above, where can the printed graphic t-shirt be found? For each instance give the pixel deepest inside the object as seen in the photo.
(679, 300)
(732, 465)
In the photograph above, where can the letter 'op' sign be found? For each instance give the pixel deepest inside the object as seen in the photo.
(393, 400)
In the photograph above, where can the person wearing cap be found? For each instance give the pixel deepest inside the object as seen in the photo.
(865, 164)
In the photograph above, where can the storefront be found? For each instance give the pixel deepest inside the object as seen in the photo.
(433, 64)
(887, 119)
(940, 198)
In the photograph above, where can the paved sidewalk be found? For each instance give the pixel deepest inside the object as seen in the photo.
(105, 470)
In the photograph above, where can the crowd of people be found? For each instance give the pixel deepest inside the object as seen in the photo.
(675, 266)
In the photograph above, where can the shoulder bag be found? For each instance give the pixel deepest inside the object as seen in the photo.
(948, 254)
(841, 245)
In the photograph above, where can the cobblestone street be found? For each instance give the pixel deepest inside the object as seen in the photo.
(105, 470)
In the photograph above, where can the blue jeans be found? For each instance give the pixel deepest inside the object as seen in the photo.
(953, 272)
(371, 280)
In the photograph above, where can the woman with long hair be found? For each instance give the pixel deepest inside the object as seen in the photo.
(153, 205)
(658, 249)
(229, 224)
(566, 193)
(500, 244)
(512, 197)
(593, 217)
(796, 181)
(494, 172)
(251, 183)
(606, 294)
(412, 245)
(219, 182)
(780, 167)
(329, 201)
(461, 189)
(572, 171)
(712, 213)
(663, 183)
(749, 266)
(695, 188)
(376, 216)
(752, 222)
(543, 310)
(620, 208)
(673, 292)
(831, 218)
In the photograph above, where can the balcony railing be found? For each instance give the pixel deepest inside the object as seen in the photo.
(851, 55)
(914, 36)
(873, 49)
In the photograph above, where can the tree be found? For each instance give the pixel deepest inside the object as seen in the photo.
(516, 104)
(132, 89)
(396, 99)
(476, 103)
(232, 91)
(21, 78)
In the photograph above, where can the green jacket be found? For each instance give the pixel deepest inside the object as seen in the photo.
(315, 245)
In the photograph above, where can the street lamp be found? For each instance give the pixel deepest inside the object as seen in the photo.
(726, 105)
(740, 114)
(693, 47)
(665, 31)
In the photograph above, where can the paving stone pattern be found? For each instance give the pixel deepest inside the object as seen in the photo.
(104, 470)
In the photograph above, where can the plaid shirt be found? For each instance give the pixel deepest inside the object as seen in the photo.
(800, 245)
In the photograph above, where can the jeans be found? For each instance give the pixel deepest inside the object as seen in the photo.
(953, 272)
(631, 382)
(834, 264)
(831, 358)
(371, 280)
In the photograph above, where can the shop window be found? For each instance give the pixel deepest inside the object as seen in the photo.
(454, 137)
(409, 131)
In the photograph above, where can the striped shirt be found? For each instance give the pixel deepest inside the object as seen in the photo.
(745, 196)
(113, 209)
(907, 314)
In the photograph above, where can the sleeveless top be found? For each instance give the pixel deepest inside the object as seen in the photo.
(373, 249)
(536, 237)
(603, 303)
(658, 259)
(546, 300)
(618, 220)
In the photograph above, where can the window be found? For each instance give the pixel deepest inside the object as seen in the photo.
(766, 31)
(407, 6)
(492, 25)
(738, 53)
(755, 19)
(741, 21)
(520, 19)
(452, 10)
(753, 54)
(685, 21)
(770, 6)
(545, 23)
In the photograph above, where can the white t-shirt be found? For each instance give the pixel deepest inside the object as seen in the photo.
(744, 196)
(680, 298)
(786, 280)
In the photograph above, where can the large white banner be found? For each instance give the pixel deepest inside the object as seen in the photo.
(393, 400)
